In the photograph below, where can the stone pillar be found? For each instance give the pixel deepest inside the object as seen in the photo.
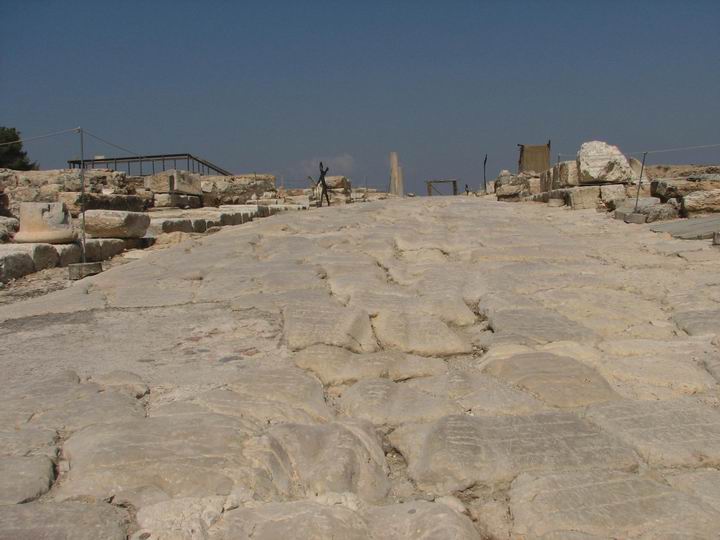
(47, 223)
(396, 176)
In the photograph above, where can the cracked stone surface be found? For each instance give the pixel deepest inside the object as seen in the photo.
(422, 368)
(602, 504)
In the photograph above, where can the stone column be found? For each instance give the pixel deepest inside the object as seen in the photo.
(396, 177)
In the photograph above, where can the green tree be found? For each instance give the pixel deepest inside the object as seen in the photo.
(12, 156)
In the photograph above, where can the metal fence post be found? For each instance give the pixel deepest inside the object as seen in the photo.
(637, 196)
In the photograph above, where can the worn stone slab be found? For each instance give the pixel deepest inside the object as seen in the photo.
(61, 402)
(24, 479)
(123, 381)
(681, 432)
(333, 365)
(479, 394)
(418, 520)
(182, 518)
(76, 520)
(606, 504)
(385, 402)
(26, 440)
(456, 452)
(698, 323)
(299, 519)
(701, 483)
(699, 228)
(657, 372)
(537, 325)
(559, 381)
(419, 334)
(305, 460)
(186, 454)
(450, 309)
(269, 396)
(328, 325)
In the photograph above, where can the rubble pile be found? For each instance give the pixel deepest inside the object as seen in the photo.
(601, 177)
(104, 189)
(238, 189)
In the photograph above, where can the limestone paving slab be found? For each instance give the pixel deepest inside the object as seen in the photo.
(559, 381)
(457, 451)
(333, 365)
(75, 520)
(479, 394)
(417, 333)
(183, 453)
(385, 402)
(538, 326)
(336, 457)
(606, 504)
(670, 433)
(24, 479)
(286, 520)
(328, 325)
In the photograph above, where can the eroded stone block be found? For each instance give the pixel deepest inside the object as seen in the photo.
(681, 432)
(334, 365)
(328, 325)
(608, 505)
(419, 334)
(24, 479)
(116, 224)
(456, 452)
(306, 460)
(557, 380)
(174, 181)
(76, 520)
(385, 402)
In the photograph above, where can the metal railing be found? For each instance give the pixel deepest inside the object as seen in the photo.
(134, 165)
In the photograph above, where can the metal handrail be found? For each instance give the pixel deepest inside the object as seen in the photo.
(193, 163)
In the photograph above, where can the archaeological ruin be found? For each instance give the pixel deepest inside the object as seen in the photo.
(541, 361)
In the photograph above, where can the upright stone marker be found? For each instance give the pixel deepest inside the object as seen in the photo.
(396, 177)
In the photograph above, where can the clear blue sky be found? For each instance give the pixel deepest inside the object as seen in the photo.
(275, 85)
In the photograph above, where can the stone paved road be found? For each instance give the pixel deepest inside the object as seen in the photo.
(428, 368)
